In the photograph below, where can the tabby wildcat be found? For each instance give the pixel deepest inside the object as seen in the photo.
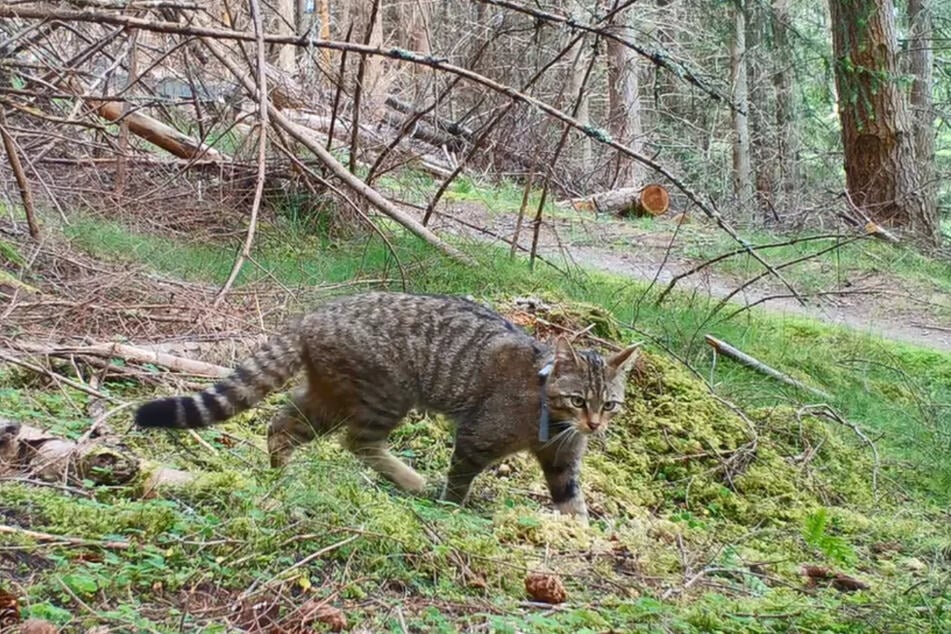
(370, 358)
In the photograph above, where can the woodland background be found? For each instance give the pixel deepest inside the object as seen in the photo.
(759, 113)
(708, 178)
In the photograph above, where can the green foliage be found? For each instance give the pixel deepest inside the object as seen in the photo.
(832, 546)
(680, 486)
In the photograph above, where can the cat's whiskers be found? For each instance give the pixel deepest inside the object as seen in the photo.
(557, 437)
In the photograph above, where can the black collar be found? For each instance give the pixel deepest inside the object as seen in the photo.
(544, 418)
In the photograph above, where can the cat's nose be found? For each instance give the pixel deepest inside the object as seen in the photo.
(594, 425)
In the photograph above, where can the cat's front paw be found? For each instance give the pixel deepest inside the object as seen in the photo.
(574, 507)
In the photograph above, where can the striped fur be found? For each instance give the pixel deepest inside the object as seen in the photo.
(369, 359)
(266, 371)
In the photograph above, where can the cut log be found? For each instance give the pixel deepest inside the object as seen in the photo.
(650, 200)
(156, 132)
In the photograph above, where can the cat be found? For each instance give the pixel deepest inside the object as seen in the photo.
(368, 359)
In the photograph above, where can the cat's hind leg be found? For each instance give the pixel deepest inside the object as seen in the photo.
(468, 461)
(298, 422)
(367, 439)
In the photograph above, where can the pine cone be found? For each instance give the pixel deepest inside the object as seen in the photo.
(545, 588)
(314, 611)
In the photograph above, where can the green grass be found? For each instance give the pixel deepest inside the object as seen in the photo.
(883, 385)
(847, 264)
(804, 497)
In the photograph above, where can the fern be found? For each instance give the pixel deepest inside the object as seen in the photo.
(832, 546)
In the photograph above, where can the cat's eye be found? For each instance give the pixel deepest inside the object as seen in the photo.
(610, 406)
(577, 401)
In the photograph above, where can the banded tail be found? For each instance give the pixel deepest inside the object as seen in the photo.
(265, 371)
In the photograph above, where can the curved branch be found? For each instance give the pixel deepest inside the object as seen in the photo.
(302, 136)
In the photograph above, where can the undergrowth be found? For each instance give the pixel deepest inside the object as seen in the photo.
(703, 517)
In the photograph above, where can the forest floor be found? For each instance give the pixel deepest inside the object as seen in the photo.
(880, 291)
(721, 500)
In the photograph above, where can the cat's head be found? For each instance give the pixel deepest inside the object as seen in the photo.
(586, 388)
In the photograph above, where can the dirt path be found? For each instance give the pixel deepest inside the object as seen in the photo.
(876, 305)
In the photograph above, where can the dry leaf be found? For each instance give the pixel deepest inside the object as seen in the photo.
(38, 626)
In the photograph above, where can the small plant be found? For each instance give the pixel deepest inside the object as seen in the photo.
(832, 546)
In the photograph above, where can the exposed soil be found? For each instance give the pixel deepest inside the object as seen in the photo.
(877, 304)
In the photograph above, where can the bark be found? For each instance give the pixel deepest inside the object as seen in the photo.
(285, 21)
(787, 133)
(921, 64)
(579, 66)
(624, 103)
(878, 140)
(39, 454)
(156, 132)
(651, 200)
(742, 165)
(762, 135)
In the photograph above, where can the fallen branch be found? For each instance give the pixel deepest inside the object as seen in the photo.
(134, 354)
(74, 541)
(829, 413)
(737, 355)
(58, 377)
(156, 132)
(26, 195)
(301, 134)
(49, 458)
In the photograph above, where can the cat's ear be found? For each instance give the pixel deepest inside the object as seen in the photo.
(623, 361)
(564, 353)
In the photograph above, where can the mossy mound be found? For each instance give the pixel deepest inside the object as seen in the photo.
(679, 446)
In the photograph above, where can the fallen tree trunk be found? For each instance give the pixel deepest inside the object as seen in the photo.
(650, 200)
(449, 127)
(425, 132)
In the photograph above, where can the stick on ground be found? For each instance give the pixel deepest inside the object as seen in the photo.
(727, 350)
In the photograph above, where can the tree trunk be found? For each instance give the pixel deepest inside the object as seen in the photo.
(579, 67)
(921, 59)
(787, 133)
(762, 135)
(742, 165)
(878, 141)
(624, 103)
(285, 21)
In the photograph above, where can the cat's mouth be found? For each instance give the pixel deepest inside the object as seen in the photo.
(587, 427)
